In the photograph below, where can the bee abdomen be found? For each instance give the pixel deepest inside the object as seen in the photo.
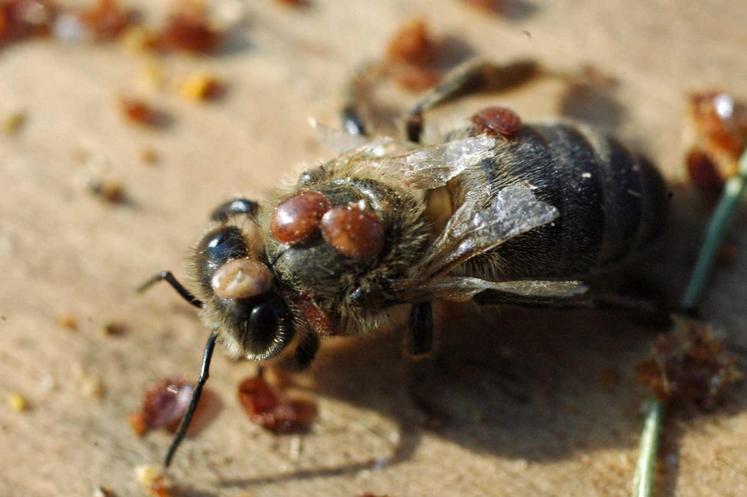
(611, 202)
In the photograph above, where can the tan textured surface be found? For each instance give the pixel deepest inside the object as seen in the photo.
(528, 413)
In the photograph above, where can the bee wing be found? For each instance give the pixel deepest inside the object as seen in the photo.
(480, 225)
(428, 167)
(463, 288)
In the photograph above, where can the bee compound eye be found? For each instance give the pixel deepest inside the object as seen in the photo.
(223, 245)
(266, 325)
(241, 279)
(297, 218)
(497, 121)
(353, 231)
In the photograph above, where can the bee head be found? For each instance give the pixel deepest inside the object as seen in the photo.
(242, 298)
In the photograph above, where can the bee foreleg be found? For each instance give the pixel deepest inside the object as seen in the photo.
(419, 335)
(473, 77)
(169, 278)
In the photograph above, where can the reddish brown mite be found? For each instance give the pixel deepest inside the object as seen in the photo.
(497, 121)
(298, 217)
(353, 231)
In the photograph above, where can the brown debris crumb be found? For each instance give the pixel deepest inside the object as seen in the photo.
(718, 132)
(189, 30)
(689, 364)
(703, 173)
(411, 56)
(412, 44)
(12, 123)
(415, 78)
(153, 481)
(114, 329)
(106, 20)
(202, 87)
(21, 19)
(165, 403)
(294, 3)
(137, 423)
(68, 322)
(139, 112)
(149, 156)
(491, 6)
(110, 191)
(272, 411)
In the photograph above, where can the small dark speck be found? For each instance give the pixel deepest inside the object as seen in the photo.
(527, 34)
(3, 318)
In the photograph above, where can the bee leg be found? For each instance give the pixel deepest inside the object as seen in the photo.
(357, 96)
(169, 278)
(235, 207)
(421, 367)
(473, 77)
(304, 354)
(419, 336)
(605, 301)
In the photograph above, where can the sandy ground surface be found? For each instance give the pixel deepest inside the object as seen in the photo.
(526, 407)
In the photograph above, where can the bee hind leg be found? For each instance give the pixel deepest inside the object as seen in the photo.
(473, 77)
(357, 97)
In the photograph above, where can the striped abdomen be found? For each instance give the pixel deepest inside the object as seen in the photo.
(612, 203)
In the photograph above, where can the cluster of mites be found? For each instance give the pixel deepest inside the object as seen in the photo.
(353, 230)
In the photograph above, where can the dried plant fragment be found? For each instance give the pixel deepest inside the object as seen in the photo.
(717, 136)
(689, 364)
(272, 411)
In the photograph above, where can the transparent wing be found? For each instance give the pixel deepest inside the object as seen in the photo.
(463, 288)
(413, 166)
(432, 166)
(480, 225)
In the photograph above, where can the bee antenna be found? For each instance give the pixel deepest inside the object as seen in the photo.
(207, 356)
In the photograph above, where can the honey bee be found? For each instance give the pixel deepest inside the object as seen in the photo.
(496, 212)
